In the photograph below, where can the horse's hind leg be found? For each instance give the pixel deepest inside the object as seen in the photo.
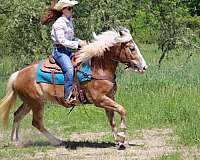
(38, 123)
(18, 116)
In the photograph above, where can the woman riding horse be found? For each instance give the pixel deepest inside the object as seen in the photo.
(64, 41)
(105, 52)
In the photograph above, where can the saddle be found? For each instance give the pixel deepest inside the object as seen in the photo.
(50, 65)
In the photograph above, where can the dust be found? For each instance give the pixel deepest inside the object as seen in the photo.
(148, 144)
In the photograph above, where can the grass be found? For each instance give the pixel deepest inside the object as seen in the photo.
(175, 156)
(165, 97)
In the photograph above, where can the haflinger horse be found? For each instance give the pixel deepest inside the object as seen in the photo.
(105, 52)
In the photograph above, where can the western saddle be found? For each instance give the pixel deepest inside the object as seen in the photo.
(50, 65)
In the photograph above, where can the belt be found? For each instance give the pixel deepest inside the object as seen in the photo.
(62, 47)
(59, 46)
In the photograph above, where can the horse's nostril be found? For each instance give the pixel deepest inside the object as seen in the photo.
(145, 68)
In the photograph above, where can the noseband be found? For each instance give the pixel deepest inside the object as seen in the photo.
(127, 63)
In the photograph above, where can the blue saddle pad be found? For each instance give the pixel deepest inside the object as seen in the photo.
(45, 77)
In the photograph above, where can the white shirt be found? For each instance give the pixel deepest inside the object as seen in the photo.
(63, 33)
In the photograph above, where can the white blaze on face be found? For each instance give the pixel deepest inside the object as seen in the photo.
(142, 61)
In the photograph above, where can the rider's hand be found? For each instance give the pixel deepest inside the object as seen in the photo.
(82, 43)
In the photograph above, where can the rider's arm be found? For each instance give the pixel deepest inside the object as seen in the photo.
(60, 38)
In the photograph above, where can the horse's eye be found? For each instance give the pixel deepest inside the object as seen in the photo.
(132, 49)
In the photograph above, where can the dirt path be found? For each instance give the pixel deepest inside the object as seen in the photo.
(147, 145)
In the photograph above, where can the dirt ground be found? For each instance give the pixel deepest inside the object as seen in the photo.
(145, 145)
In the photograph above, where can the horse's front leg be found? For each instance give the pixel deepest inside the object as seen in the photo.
(111, 105)
(110, 115)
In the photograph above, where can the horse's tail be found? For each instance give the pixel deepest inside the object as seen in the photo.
(9, 100)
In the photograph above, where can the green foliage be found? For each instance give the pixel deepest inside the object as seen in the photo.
(172, 19)
(193, 6)
(102, 15)
(144, 27)
(23, 36)
(170, 24)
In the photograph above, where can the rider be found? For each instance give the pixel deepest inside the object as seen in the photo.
(64, 41)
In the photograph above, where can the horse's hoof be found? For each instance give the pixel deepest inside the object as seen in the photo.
(58, 142)
(63, 143)
(121, 146)
(121, 134)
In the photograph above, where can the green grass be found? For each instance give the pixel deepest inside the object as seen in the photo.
(169, 96)
(165, 97)
(175, 156)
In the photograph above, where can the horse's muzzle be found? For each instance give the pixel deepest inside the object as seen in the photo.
(138, 67)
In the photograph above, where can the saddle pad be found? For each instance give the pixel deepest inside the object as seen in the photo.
(45, 77)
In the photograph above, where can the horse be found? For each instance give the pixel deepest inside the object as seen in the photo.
(104, 52)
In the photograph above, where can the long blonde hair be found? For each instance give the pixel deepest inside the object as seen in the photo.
(101, 43)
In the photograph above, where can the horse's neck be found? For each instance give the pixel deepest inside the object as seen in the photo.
(104, 66)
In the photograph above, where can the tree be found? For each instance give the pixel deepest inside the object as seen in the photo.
(101, 15)
(23, 35)
(166, 22)
(172, 17)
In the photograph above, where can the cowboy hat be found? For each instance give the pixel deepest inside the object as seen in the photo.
(64, 3)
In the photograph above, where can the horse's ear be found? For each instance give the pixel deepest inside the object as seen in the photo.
(124, 31)
(121, 33)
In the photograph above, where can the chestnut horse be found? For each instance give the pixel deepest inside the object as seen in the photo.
(105, 52)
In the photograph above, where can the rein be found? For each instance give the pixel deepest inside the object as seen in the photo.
(98, 77)
(126, 63)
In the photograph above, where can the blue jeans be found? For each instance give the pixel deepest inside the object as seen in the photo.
(62, 57)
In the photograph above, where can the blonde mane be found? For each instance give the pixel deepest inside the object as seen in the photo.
(101, 43)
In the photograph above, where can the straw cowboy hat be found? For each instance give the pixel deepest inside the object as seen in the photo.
(64, 3)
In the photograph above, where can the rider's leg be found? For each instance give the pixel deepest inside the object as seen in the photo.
(65, 63)
(68, 78)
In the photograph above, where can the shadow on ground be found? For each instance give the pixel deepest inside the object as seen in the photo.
(71, 144)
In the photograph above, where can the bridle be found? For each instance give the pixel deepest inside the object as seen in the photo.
(128, 62)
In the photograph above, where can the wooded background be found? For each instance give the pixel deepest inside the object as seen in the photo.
(166, 31)
(171, 24)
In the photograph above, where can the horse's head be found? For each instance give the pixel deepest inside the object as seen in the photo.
(117, 46)
(129, 53)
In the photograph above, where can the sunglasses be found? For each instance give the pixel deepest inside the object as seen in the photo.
(69, 8)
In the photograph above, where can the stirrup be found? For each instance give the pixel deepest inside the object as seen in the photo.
(71, 98)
